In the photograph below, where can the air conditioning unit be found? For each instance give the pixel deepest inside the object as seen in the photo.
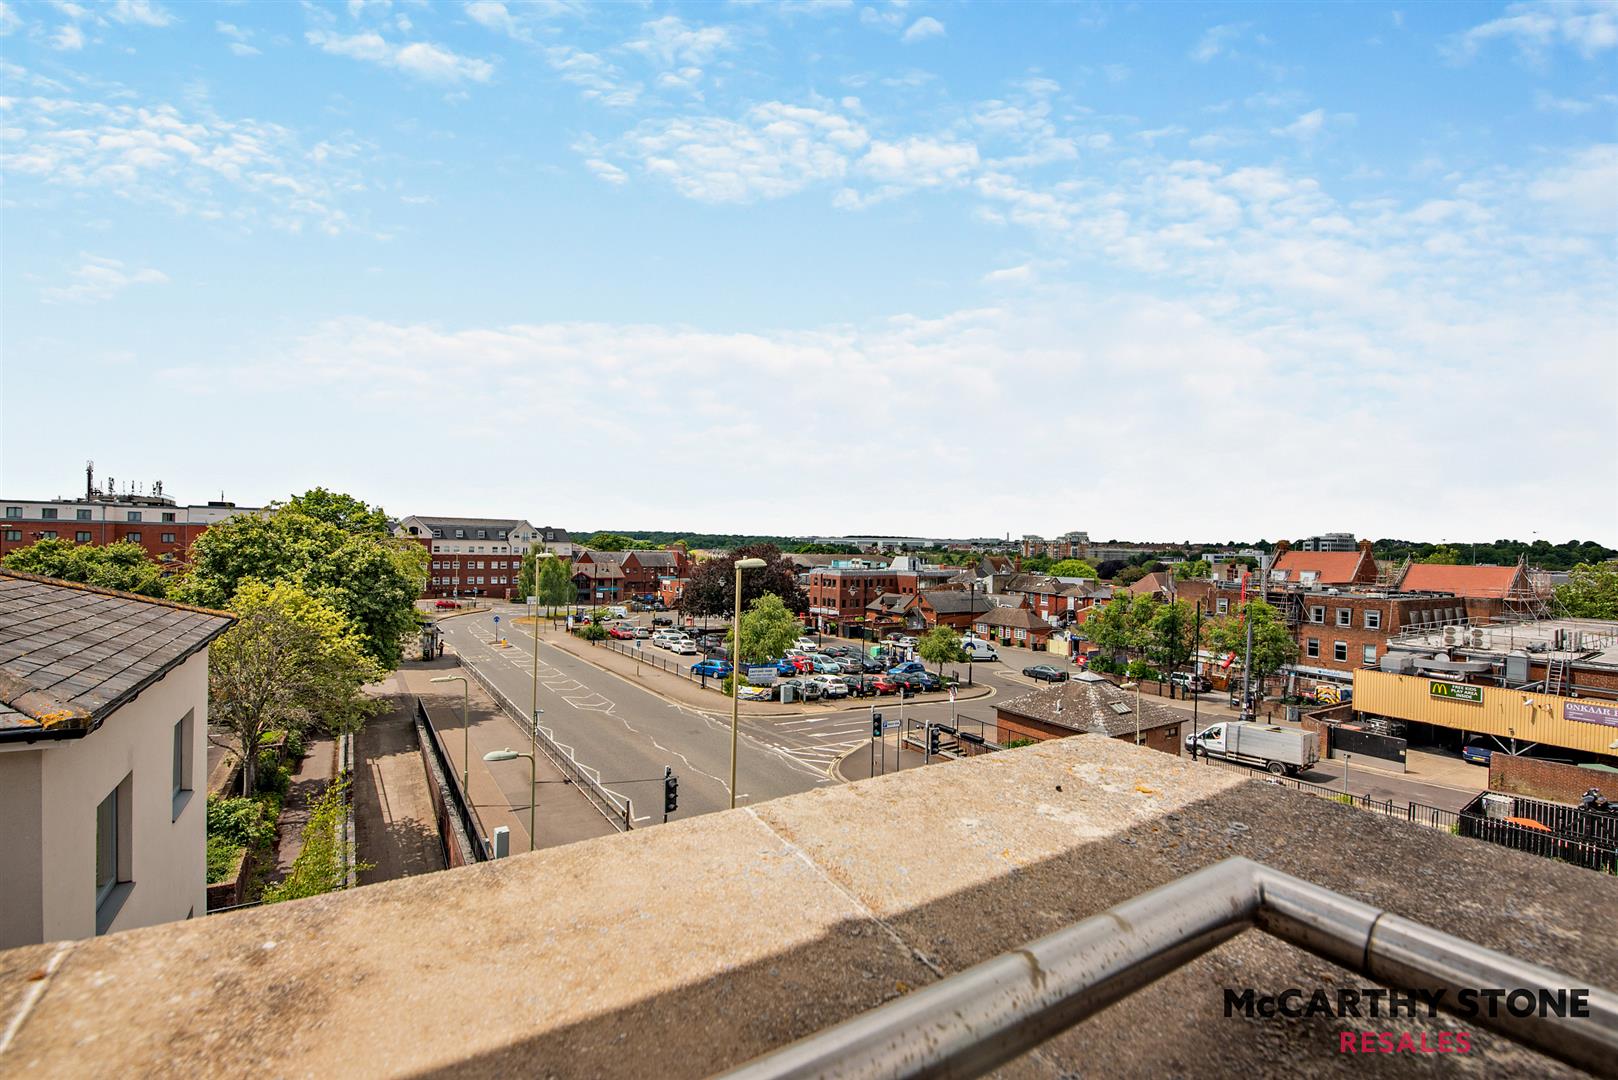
(1478, 637)
(1454, 635)
(1497, 807)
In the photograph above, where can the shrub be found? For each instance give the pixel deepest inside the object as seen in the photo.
(222, 856)
(273, 777)
(322, 865)
(593, 631)
(239, 821)
(1014, 743)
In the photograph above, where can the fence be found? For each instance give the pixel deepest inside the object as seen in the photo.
(616, 808)
(459, 831)
(345, 827)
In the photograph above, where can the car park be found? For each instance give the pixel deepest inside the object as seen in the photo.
(825, 665)
(929, 681)
(713, 669)
(1045, 673)
(662, 621)
(682, 647)
(806, 644)
(841, 651)
(800, 663)
(622, 633)
(807, 689)
(641, 632)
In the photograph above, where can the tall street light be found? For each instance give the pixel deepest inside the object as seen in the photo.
(466, 729)
(512, 755)
(736, 667)
(533, 720)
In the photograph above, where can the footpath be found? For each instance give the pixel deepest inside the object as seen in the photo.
(394, 826)
(499, 792)
(310, 779)
(650, 671)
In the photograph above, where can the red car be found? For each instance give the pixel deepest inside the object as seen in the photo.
(802, 664)
(622, 632)
(446, 604)
(884, 684)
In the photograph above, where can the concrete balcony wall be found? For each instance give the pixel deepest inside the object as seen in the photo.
(680, 950)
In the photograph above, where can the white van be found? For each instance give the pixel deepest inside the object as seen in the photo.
(978, 649)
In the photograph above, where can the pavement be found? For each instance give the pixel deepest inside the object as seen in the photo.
(395, 830)
(499, 790)
(310, 779)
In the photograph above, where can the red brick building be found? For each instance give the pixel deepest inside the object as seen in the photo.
(475, 556)
(1323, 567)
(1013, 626)
(644, 569)
(156, 522)
(1487, 590)
(1088, 704)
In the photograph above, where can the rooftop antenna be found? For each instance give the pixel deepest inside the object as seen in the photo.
(89, 479)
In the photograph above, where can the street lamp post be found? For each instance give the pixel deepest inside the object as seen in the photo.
(511, 755)
(466, 731)
(736, 668)
(1135, 686)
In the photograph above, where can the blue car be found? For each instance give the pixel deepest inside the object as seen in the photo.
(909, 667)
(786, 669)
(713, 669)
(1477, 755)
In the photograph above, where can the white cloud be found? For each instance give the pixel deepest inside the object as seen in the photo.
(492, 15)
(919, 162)
(1011, 275)
(421, 59)
(139, 13)
(1583, 191)
(1589, 27)
(669, 42)
(242, 48)
(1216, 40)
(598, 79)
(607, 171)
(99, 279)
(68, 38)
(9, 21)
(922, 29)
(1305, 127)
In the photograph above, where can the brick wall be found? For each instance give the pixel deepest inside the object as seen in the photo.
(1320, 722)
(1546, 780)
(1166, 739)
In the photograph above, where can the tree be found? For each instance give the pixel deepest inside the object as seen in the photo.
(768, 630)
(712, 588)
(342, 510)
(1123, 624)
(555, 585)
(605, 541)
(1072, 568)
(291, 662)
(1441, 556)
(1171, 636)
(1273, 645)
(1037, 564)
(372, 578)
(1110, 568)
(1188, 570)
(941, 645)
(124, 566)
(1129, 575)
(1591, 592)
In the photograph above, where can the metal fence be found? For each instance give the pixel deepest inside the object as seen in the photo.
(616, 808)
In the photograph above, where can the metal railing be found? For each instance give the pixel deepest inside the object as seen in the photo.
(981, 1018)
(617, 809)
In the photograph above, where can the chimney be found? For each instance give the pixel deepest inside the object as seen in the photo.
(1365, 546)
(1282, 547)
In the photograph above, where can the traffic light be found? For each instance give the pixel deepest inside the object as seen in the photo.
(876, 725)
(932, 739)
(671, 790)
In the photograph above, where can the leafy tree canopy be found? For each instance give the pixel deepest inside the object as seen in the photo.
(1591, 592)
(342, 510)
(1199, 568)
(372, 579)
(1443, 556)
(941, 645)
(768, 630)
(1273, 645)
(124, 565)
(712, 588)
(605, 541)
(1072, 568)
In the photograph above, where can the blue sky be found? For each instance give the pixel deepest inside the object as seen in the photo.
(1169, 271)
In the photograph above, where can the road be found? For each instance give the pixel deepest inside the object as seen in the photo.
(629, 734)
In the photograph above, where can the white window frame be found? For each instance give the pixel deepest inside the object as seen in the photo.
(1345, 617)
(1373, 618)
(1317, 614)
(1311, 647)
(1339, 651)
(1368, 655)
(184, 762)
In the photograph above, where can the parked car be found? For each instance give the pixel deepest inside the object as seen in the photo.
(622, 633)
(883, 684)
(858, 685)
(870, 665)
(910, 667)
(906, 642)
(1477, 755)
(1196, 684)
(806, 644)
(1045, 673)
(446, 604)
(785, 668)
(660, 621)
(801, 664)
(831, 686)
(928, 680)
(713, 669)
(910, 682)
(641, 632)
(807, 689)
(840, 651)
(825, 665)
(683, 647)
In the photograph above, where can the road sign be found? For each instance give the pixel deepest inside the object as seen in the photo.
(533, 601)
(891, 725)
(497, 620)
(952, 693)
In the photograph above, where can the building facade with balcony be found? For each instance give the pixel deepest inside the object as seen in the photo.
(477, 557)
(164, 527)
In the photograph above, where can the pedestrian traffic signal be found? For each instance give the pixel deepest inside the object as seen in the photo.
(932, 739)
(876, 725)
(671, 791)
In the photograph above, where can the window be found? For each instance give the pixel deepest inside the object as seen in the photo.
(48, 534)
(460, 534)
(168, 515)
(168, 538)
(1312, 647)
(184, 756)
(1368, 654)
(1345, 616)
(106, 845)
(82, 515)
(13, 512)
(133, 515)
(438, 534)
(1317, 614)
(1373, 620)
(483, 534)
(82, 537)
(500, 534)
(132, 537)
(48, 514)
(13, 534)
(1339, 650)
(113, 864)
(1222, 605)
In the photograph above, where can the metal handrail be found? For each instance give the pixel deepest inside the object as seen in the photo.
(981, 1018)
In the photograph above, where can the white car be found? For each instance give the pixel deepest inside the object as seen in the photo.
(830, 685)
(682, 647)
(806, 644)
(906, 642)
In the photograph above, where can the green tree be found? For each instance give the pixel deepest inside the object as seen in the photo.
(124, 566)
(372, 578)
(348, 513)
(322, 864)
(1170, 639)
(1072, 568)
(555, 585)
(941, 645)
(1123, 624)
(768, 630)
(1591, 592)
(1442, 556)
(1037, 564)
(291, 662)
(1273, 644)
(1199, 568)
(1129, 575)
(712, 588)
(605, 541)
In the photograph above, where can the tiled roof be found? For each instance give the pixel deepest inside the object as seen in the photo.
(1031, 583)
(467, 523)
(1330, 567)
(1086, 703)
(600, 567)
(71, 654)
(650, 559)
(1014, 617)
(1151, 583)
(956, 601)
(1484, 582)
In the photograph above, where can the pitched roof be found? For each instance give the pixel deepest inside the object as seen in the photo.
(72, 654)
(956, 601)
(1032, 583)
(1014, 617)
(1329, 567)
(995, 564)
(435, 522)
(892, 603)
(1483, 582)
(599, 568)
(1161, 581)
(1091, 704)
(650, 559)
